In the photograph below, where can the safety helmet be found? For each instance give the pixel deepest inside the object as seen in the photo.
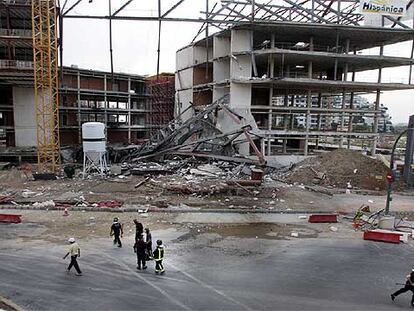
(159, 242)
(116, 219)
(71, 240)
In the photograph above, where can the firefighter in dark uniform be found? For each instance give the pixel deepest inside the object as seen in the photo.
(139, 229)
(158, 257)
(117, 231)
(149, 243)
(409, 286)
(139, 248)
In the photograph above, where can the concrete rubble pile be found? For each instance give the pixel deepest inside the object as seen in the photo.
(202, 157)
(196, 177)
(197, 136)
(342, 168)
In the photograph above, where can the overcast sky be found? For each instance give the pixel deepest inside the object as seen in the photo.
(86, 44)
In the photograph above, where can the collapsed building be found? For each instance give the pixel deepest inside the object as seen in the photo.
(286, 77)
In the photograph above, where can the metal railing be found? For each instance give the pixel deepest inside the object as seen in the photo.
(16, 32)
(306, 47)
(15, 64)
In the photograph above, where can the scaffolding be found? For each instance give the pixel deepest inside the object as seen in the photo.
(46, 84)
(160, 104)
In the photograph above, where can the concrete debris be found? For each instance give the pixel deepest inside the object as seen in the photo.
(178, 137)
(142, 182)
(333, 229)
(45, 204)
(28, 193)
(195, 171)
(338, 168)
(116, 170)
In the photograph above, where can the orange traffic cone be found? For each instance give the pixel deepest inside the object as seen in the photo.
(65, 212)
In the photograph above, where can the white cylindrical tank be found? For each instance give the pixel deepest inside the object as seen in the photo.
(93, 137)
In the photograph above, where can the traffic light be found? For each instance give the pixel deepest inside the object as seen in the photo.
(390, 176)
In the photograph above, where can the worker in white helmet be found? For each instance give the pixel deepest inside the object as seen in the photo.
(74, 251)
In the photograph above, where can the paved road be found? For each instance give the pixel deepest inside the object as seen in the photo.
(210, 273)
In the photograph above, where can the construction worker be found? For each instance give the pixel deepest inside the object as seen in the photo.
(409, 286)
(158, 257)
(140, 248)
(74, 252)
(148, 243)
(139, 229)
(116, 231)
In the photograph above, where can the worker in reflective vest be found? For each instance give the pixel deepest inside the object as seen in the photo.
(158, 257)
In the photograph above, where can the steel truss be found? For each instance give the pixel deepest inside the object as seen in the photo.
(234, 12)
(46, 84)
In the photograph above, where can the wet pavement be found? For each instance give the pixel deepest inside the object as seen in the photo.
(210, 272)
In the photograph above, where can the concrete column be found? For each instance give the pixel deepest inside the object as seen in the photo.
(292, 116)
(309, 101)
(319, 118)
(79, 109)
(345, 77)
(308, 120)
(351, 106)
(271, 75)
(341, 138)
(285, 121)
(106, 102)
(240, 94)
(129, 110)
(336, 60)
(377, 105)
(269, 122)
(24, 116)
(310, 69)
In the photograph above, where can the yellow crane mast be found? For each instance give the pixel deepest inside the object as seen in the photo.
(46, 84)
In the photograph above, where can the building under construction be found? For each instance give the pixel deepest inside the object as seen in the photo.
(294, 79)
(119, 100)
(291, 70)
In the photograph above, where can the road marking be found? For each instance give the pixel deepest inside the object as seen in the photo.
(211, 288)
(148, 282)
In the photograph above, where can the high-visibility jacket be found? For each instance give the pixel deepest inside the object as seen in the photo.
(159, 253)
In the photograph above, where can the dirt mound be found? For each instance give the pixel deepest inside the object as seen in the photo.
(338, 168)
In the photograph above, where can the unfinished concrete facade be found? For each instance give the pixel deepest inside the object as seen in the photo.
(266, 66)
(119, 100)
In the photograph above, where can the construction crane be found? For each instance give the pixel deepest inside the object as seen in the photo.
(46, 84)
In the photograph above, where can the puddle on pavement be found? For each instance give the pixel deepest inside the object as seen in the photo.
(252, 230)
